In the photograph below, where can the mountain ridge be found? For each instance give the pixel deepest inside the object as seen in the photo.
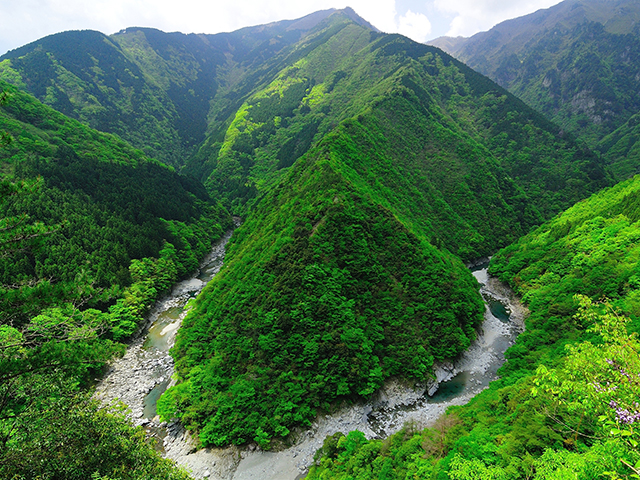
(150, 87)
(576, 62)
(367, 168)
(356, 140)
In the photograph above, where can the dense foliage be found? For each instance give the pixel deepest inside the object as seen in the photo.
(91, 232)
(367, 166)
(49, 427)
(322, 297)
(561, 407)
(354, 170)
(466, 139)
(151, 88)
(577, 62)
(104, 204)
(621, 149)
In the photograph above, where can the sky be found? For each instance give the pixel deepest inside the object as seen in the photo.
(24, 21)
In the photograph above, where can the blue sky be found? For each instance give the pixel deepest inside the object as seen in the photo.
(23, 21)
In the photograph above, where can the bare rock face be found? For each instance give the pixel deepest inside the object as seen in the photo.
(396, 392)
(444, 372)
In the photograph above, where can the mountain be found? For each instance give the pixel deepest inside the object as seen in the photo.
(569, 387)
(367, 169)
(366, 166)
(100, 203)
(92, 232)
(621, 148)
(577, 62)
(151, 88)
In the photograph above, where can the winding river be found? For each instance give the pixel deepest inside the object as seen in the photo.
(140, 377)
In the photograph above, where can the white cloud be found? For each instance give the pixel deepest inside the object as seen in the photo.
(472, 16)
(23, 21)
(414, 25)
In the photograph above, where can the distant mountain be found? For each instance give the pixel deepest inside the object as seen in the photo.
(577, 62)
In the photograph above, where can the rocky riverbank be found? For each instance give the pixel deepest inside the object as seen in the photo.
(144, 372)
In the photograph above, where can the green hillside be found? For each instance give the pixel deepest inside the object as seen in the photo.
(367, 168)
(91, 233)
(345, 270)
(151, 88)
(450, 116)
(621, 148)
(104, 202)
(324, 295)
(564, 406)
(576, 62)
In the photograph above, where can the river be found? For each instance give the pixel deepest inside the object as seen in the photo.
(140, 377)
(144, 372)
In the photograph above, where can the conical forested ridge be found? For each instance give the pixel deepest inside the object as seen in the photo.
(367, 166)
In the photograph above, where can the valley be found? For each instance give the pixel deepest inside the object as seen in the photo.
(391, 408)
(368, 171)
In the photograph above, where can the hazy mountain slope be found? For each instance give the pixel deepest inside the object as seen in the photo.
(86, 76)
(577, 62)
(621, 149)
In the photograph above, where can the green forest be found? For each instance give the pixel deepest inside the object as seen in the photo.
(92, 232)
(576, 63)
(312, 283)
(367, 171)
(566, 403)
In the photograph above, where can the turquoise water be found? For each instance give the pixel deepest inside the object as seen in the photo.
(451, 388)
(498, 310)
(151, 400)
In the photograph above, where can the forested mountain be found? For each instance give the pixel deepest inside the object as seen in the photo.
(91, 232)
(367, 168)
(149, 87)
(566, 403)
(577, 62)
(361, 147)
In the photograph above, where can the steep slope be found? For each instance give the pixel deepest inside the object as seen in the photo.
(91, 233)
(536, 422)
(476, 162)
(367, 168)
(150, 87)
(621, 148)
(361, 165)
(324, 294)
(577, 62)
(104, 203)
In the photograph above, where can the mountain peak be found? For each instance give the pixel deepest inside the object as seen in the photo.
(310, 21)
(351, 13)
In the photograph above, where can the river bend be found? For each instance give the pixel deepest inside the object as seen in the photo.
(140, 377)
